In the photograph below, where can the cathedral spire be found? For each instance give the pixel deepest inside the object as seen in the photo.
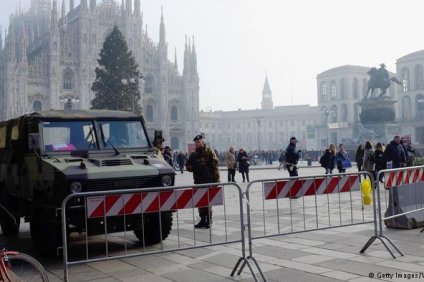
(71, 5)
(267, 103)
(128, 7)
(92, 5)
(83, 5)
(186, 67)
(63, 12)
(162, 29)
(137, 7)
(193, 58)
(175, 59)
(53, 20)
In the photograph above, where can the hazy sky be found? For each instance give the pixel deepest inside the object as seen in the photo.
(239, 41)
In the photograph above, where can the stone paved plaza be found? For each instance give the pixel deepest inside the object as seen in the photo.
(324, 255)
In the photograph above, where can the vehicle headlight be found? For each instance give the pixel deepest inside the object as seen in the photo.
(166, 180)
(75, 187)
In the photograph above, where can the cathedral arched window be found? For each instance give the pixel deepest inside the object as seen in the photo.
(323, 91)
(333, 89)
(37, 106)
(355, 88)
(333, 114)
(419, 101)
(342, 88)
(68, 79)
(148, 84)
(364, 87)
(405, 79)
(419, 79)
(175, 144)
(406, 108)
(174, 113)
(149, 113)
(344, 113)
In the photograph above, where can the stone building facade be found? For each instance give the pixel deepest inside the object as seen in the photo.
(268, 128)
(50, 55)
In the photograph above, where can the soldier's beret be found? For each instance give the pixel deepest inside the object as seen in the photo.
(198, 137)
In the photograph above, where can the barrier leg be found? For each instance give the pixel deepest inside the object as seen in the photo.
(369, 243)
(393, 244)
(422, 230)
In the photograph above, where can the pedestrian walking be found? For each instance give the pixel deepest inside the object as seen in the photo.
(359, 156)
(204, 164)
(368, 163)
(292, 157)
(181, 159)
(230, 160)
(244, 163)
(328, 160)
(342, 159)
(394, 154)
(380, 161)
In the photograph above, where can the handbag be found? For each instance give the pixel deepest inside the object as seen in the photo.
(366, 192)
(346, 163)
(247, 163)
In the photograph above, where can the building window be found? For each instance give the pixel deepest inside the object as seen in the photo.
(343, 88)
(149, 113)
(333, 90)
(175, 144)
(419, 82)
(355, 88)
(333, 114)
(148, 84)
(323, 91)
(36, 106)
(406, 108)
(344, 113)
(68, 79)
(420, 106)
(405, 79)
(174, 113)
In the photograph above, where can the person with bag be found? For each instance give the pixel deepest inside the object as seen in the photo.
(292, 157)
(244, 163)
(368, 163)
(342, 159)
(204, 164)
(230, 160)
(394, 153)
(327, 160)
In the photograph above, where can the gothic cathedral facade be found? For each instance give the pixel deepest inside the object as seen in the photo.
(49, 57)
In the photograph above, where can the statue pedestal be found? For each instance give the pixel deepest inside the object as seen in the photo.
(378, 116)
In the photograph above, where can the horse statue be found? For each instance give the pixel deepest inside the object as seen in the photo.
(379, 78)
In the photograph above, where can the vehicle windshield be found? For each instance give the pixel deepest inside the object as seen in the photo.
(122, 134)
(69, 136)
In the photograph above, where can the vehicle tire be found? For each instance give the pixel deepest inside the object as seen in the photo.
(22, 267)
(46, 232)
(9, 226)
(151, 228)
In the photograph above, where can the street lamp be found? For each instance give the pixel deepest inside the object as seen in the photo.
(68, 102)
(133, 84)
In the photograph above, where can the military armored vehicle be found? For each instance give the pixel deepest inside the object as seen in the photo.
(46, 156)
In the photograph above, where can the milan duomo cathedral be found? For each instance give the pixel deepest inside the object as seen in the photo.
(50, 54)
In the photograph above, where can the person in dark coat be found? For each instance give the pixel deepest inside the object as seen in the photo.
(329, 159)
(167, 155)
(292, 157)
(359, 156)
(244, 163)
(380, 161)
(181, 159)
(394, 154)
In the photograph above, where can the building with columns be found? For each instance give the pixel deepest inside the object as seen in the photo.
(268, 128)
(50, 54)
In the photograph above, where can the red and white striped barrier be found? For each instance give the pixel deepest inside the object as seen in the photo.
(145, 202)
(313, 186)
(397, 178)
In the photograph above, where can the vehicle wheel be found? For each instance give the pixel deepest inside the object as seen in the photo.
(45, 232)
(152, 231)
(9, 226)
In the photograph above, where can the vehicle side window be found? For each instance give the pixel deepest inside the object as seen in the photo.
(15, 132)
(3, 136)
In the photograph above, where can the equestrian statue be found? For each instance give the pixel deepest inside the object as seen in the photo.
(379, 78)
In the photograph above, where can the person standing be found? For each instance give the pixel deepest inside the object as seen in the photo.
(181, 159)
(204, 164)
(230, 160)
(328, 159)
(394, 154)
(292, 157)
(368, 163)
(359, 157)
(244, 163)
(167, 155)
(380, 161)
(341, 158)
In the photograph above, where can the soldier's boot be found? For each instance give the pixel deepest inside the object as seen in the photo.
(203, 223)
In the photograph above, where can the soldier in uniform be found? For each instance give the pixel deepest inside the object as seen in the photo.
(204, 164)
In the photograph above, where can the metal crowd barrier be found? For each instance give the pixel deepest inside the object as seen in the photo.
(406, 181)
(293, 205)
(109, 208)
